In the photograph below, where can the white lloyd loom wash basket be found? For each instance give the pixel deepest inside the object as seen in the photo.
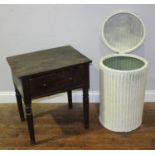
(122, 75)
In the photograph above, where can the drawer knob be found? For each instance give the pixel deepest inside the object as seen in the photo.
(70, 78)
(44, 84)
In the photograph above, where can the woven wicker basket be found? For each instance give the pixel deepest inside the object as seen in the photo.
(122, 76)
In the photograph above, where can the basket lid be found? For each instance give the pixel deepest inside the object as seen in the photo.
(123, 32)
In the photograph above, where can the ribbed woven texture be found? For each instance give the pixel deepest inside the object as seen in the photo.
(123, 32)
(122, 99)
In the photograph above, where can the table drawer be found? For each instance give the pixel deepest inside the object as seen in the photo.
(59, 80)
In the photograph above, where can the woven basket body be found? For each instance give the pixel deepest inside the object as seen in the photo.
(122, 87)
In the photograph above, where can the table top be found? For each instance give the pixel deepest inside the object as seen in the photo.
(45, 60)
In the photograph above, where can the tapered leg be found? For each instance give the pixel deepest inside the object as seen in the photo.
(20, 105)
(86, 107)
(29, 117)
(69, 94)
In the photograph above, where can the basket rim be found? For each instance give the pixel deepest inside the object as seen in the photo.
(116, 49)
(104, 67)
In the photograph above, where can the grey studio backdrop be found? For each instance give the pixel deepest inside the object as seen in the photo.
(27, 28)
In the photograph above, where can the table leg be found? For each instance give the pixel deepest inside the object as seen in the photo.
(29, 117)
(86, 107)
(69, 94)
(19, 104)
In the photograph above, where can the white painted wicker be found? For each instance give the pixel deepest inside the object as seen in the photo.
(122, 76)
(122, 88)
(123, 32)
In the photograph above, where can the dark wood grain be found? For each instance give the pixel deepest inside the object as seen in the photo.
(48, 72)
(19, 104)
(86, 107)
(58, 127)
(69, 95)
(45, 60)
(58, 81)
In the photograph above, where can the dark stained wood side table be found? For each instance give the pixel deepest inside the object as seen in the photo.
(48, 72)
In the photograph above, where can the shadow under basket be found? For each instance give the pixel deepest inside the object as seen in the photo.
(122, 87)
